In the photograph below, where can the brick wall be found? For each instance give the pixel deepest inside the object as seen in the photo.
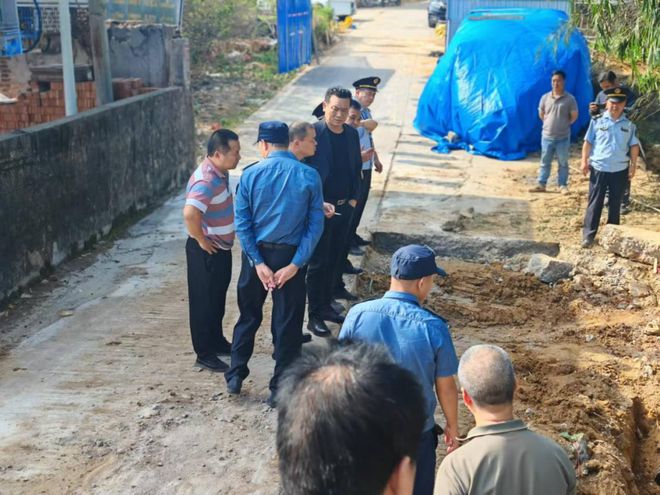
(43, 102)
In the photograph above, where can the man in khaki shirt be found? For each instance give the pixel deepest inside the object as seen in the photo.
(502, 455)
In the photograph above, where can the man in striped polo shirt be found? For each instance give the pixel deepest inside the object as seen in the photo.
(209, 218)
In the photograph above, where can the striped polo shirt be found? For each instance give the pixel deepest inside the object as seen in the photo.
(208, 191)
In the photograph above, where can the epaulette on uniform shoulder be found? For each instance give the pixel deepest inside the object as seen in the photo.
(435, 314)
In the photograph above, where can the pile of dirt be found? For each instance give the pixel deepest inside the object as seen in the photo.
(586, 359)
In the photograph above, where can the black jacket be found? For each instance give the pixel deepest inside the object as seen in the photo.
(322, 159)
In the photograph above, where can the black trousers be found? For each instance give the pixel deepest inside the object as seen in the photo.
(426, 458)
(365, 187)
(286, 319)
(328, 260)
(351, 239)
(599, 184)
(208, 281)
(626, 194)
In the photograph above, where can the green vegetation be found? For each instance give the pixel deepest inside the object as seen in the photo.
(234, 59)
(205, 22)
(233, 56)
(324, 24)
(629, 31)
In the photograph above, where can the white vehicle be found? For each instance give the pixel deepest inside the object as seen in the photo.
(341, 8)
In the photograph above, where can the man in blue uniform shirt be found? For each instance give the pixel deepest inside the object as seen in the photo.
(279, 219)
(365, 93)
(609, 157)
(609, 80)
(418, 340)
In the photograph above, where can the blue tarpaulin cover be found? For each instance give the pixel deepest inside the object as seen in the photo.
(487, 87)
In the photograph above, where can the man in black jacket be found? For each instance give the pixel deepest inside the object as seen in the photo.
(339, 163)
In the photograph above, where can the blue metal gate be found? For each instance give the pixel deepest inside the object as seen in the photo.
(294, 33)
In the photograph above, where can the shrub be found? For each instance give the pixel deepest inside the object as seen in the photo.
(206, 21)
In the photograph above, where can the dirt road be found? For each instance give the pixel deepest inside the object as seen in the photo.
(97, 389)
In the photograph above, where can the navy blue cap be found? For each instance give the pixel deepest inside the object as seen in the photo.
(274, 132)
(318, 112)
(367, 83)
(413, 262)
(616, 95)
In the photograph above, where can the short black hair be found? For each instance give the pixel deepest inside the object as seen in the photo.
(559, 73)
(355, 105)
(608, 76)
(219, 141)
(339, 92)
(299, 130)
(347, 416)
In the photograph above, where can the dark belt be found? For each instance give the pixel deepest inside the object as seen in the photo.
(338, 202)
(271, 245)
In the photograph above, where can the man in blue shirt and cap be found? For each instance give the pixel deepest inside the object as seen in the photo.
(279, 219)
(418, 340)
(609, 157)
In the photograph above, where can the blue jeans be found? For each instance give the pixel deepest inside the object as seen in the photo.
(550, 148)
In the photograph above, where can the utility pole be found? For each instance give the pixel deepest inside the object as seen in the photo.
(68, 73)
(100, 51)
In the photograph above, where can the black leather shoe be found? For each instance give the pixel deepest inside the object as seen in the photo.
(307, 337)
(212, 363)
(344, 294)
(337, 307)
(318, 327)
(272, 402)
(234, 385)
(352, 270)
(330, 315)
(587, 243)
(359, 241)
(224, 349)
(356, 251)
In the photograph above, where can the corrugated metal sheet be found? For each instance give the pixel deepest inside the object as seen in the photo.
(458, 9)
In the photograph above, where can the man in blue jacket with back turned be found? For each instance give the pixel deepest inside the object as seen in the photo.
(279, 220)
(419, 340)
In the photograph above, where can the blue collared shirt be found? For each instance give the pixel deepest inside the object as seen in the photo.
(611, 141)
(279, 200)
(365, 144)
(418, 339)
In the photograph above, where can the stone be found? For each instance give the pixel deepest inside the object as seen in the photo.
(639, 289)
(548, 269)
(150, 412)
(454, 225)
(652, 328)
(632, 243)
(647, 371)
(581, 282)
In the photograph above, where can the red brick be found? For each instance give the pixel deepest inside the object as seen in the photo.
(136, 82)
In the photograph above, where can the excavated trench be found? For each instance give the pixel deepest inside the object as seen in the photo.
(585, 362)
